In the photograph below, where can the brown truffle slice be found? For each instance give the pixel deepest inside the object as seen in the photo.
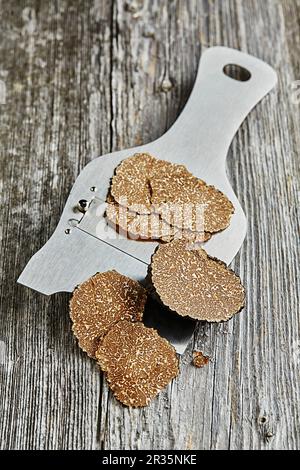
(146, 226)
(199, 360)
(193, 284)
(130, 184)
(182, 199)
(171, 182)
(101, 301)
(137, 361)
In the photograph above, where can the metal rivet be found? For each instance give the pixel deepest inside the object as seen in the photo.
(83, 205)
(67, 231)
(93, 189)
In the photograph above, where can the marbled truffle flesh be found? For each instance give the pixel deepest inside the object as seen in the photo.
(137, 226)
(137, 361)
(193, 284)
(186, 201)
(131, 181)
(100, 302)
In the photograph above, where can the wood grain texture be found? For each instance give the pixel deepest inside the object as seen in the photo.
(80, 79)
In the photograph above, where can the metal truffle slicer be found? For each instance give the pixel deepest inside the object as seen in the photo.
(200, 139)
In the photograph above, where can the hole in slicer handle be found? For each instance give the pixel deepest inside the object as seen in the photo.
(236, 72)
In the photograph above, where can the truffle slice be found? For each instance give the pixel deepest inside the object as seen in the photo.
(130, 184)
(187, 202)
(171, 182)
(194, 284)
(146, 226)
(137, 361)
(101, 301)
(199, 360)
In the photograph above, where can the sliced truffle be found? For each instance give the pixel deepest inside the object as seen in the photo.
(186, 201)
(137, 361)
(130, 184)
(145, 184)
(146, 226)
(171, 182)
(101, 301)
(193, 284)
(199, 360)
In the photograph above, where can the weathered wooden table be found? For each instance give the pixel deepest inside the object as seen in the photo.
(77, 80)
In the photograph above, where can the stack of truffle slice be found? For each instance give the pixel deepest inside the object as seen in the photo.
(155, 199)
(106, 311)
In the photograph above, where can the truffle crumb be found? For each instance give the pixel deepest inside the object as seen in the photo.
(199, 360)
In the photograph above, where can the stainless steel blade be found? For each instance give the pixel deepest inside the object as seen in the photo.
(200, 139)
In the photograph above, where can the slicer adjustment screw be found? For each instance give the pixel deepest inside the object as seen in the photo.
(83, 205)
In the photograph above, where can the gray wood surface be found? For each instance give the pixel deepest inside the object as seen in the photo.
(77, 80)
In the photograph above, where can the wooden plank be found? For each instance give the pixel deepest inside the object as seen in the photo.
(56, 57)
(82, 79)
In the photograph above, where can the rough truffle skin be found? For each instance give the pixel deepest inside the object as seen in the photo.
(193, 284)
(101, 301)
(138, 362)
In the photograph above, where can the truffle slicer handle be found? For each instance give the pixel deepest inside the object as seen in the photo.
(218, 104)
